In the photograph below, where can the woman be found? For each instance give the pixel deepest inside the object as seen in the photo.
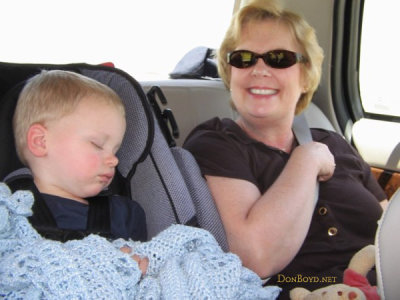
(261, 180)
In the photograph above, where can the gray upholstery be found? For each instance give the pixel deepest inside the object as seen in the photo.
(316, 118)
(206, 210)
(159, 187)
(387, 245)
(18, 173)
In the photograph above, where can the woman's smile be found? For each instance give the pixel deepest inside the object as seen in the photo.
(263, 91)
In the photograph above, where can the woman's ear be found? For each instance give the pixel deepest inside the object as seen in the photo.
(36, 140)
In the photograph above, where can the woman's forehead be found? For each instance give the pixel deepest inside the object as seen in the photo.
(267, 35)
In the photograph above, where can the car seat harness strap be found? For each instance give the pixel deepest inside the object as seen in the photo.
(98, 220)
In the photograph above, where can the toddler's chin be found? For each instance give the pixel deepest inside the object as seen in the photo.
(95, 191)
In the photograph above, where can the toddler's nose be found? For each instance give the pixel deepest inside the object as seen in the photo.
(112, 160)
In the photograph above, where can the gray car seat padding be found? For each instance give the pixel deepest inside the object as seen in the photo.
(387, 250)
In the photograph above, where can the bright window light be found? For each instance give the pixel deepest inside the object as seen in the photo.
(379, 61)
(145, 38)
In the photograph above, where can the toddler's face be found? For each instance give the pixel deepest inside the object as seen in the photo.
(82, 148)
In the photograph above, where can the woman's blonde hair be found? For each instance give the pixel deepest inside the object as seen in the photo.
(260, 10)
(51, 95)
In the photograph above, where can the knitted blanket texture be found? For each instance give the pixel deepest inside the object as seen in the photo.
(184, 263)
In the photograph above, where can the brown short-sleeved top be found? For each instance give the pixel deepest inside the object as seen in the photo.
(345, 217)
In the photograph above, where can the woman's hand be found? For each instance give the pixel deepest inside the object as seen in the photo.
(320, 156)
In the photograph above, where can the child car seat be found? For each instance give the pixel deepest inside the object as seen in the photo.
(165, 181)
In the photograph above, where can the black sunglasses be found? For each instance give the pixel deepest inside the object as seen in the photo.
(278, 59)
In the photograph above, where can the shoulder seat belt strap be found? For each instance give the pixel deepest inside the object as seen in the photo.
(302, 133)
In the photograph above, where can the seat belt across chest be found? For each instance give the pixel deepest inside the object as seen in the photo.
(303, 135)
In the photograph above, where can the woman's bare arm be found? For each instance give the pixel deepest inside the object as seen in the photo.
(267, 230)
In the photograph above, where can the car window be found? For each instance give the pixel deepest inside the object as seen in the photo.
(145, 38)
(379, 63)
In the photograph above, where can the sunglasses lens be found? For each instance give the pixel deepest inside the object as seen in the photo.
(280, 59)
(241, 59)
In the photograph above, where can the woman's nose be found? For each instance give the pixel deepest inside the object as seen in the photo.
(261, 68)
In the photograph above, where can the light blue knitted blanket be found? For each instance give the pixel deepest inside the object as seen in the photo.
(184, 263)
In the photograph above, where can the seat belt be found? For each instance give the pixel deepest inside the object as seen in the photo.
(302, 133)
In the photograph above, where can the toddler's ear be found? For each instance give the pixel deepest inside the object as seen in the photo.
(36, 140)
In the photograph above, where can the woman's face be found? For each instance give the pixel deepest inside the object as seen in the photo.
(260, 92)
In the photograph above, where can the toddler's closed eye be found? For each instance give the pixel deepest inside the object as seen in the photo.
(97, 145)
